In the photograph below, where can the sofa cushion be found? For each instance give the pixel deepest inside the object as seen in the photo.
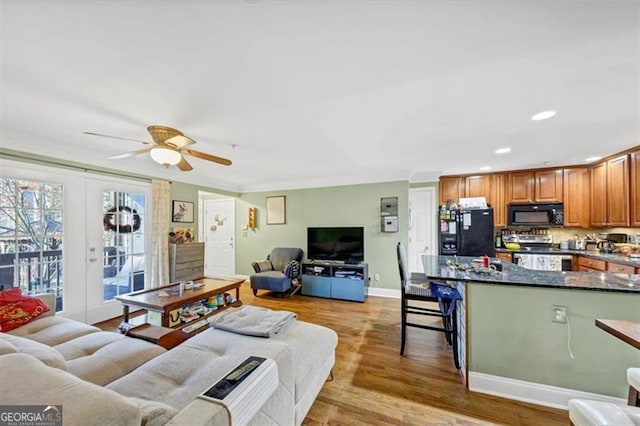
(25, 380)
(53, 330)
(17, 309)
(171, 379)
(44, 353)
(6, 347)
(103, 357)
(154, 413)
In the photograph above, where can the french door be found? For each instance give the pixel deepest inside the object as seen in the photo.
(118, 238)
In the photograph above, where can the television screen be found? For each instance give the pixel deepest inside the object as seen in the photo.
(338, 243)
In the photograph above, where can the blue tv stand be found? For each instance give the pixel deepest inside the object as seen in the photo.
(335, 280)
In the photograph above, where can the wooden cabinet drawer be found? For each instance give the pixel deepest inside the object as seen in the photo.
(618, 268)
(599, 265)
(585, 269)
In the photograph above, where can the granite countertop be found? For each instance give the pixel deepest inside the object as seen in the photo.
(440, 267)
(595, 254)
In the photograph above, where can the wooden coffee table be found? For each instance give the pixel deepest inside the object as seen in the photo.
(153, 301)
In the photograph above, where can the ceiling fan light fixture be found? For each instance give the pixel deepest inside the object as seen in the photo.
(165, 156)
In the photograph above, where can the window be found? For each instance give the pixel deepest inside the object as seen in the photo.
(31, 236)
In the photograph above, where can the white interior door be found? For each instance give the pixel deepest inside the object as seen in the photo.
(118, 237)
(422, 226)
(219, 237)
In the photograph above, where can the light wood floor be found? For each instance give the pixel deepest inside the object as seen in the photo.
(374, 385)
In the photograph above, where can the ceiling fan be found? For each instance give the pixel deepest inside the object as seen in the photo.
(168, 148)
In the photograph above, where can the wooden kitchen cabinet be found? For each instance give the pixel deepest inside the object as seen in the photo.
(587, 264)
(634, 189)
(498, 201)
(520, 187)
(491, 187)
(598, 177)
(576, 197)
(505, 257)
(618, 191)
(610, 192)
(478, 186)
(543, 186)
(548, 186)
(451, 188)
(619, 268)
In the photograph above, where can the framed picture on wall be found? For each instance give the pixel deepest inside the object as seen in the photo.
(276, 210)
(182, 211)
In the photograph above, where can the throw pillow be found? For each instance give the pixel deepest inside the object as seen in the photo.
(292, 270)
(17, 309)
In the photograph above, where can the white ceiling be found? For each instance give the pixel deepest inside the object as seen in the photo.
(319, 93)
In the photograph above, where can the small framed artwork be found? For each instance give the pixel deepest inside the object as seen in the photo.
(276, 210)
(182, 211)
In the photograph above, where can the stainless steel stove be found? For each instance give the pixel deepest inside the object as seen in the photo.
(539, 244)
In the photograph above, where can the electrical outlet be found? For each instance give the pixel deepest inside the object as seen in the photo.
(376, 277)
(559, 314)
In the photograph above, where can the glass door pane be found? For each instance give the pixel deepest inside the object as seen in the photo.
(31, 236)
(123, 243)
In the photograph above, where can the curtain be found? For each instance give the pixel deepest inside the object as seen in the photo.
(161, 196)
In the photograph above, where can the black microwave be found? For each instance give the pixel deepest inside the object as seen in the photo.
(535, 214)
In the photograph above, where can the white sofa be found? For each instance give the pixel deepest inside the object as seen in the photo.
(106, 378)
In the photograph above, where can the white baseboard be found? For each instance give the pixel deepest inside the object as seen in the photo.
(383, 292)
(535, 393)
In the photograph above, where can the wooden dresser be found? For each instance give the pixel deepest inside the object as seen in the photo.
(186, 261)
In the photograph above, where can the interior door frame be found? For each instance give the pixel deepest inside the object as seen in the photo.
(208, 196)
(432, 247)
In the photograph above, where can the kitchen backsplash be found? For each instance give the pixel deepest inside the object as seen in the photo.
(564, 234)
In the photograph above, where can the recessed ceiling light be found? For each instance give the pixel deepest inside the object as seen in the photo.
(543, 115)
(485, 168)
(502, 150)
(590, 159)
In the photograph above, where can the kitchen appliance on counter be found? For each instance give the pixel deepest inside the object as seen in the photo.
(466, 232)
(541, 257)
(538, 214)
(577, 244)
(608, 242)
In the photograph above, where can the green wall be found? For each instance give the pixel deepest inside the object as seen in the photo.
(511, 335)
(352, 205)
(188, 192)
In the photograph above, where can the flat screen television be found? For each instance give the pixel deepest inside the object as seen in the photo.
(337, 243)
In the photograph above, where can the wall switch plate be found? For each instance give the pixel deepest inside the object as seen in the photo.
(559, 314)
(376, 277)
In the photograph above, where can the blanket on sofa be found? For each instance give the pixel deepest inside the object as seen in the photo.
(254, 321)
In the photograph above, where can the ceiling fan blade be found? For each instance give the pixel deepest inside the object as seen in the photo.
(130, 154)
(116, 137)
(184, 165)
(180, 141)
(208, 157)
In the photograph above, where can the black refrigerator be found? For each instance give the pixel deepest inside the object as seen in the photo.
(467, 232)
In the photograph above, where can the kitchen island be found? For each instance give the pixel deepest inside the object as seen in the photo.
(511, 347)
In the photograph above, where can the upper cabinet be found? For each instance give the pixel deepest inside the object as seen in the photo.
(610, 192)
(520, 187)
(606, 194)
(548, 186)
(634, 162)
(576, 197)
(492, 188)
(451, 188)
(543, 186)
